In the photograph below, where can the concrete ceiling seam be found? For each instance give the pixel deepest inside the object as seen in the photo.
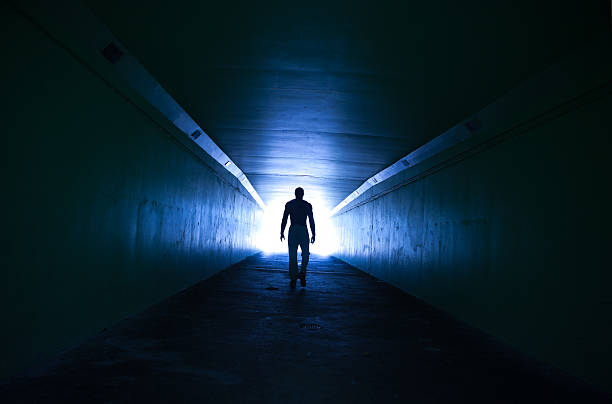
(337, 92)
(342, 89)
(69, 19)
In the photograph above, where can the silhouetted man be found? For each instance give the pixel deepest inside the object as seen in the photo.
(298, 209)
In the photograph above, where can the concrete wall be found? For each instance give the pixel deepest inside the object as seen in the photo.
(514, 239)
(104, 212)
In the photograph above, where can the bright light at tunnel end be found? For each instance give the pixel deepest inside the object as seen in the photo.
(269, 234)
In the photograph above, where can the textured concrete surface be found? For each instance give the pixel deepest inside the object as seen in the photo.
(513, 240)
(245, 336)
(105, 213)
(358, 84)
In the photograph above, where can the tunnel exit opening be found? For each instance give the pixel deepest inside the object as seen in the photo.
(268, 236)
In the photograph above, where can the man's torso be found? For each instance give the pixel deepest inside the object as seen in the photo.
(298, 211)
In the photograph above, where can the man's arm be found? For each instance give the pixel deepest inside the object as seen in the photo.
(312, 224)
(284, 223)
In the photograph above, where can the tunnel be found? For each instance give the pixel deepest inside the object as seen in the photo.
(455, 155)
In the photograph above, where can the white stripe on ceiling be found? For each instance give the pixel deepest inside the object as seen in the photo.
(79, 30)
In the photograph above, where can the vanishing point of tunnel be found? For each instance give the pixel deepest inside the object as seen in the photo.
(167, 165)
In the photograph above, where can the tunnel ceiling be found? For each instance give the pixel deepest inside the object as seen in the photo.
(325, 95)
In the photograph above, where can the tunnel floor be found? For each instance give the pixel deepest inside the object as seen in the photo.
(245, 336)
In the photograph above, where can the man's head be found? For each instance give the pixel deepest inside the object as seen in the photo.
(299, 193)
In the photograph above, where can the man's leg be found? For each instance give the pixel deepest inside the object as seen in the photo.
(292, 242)
(305, 247)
